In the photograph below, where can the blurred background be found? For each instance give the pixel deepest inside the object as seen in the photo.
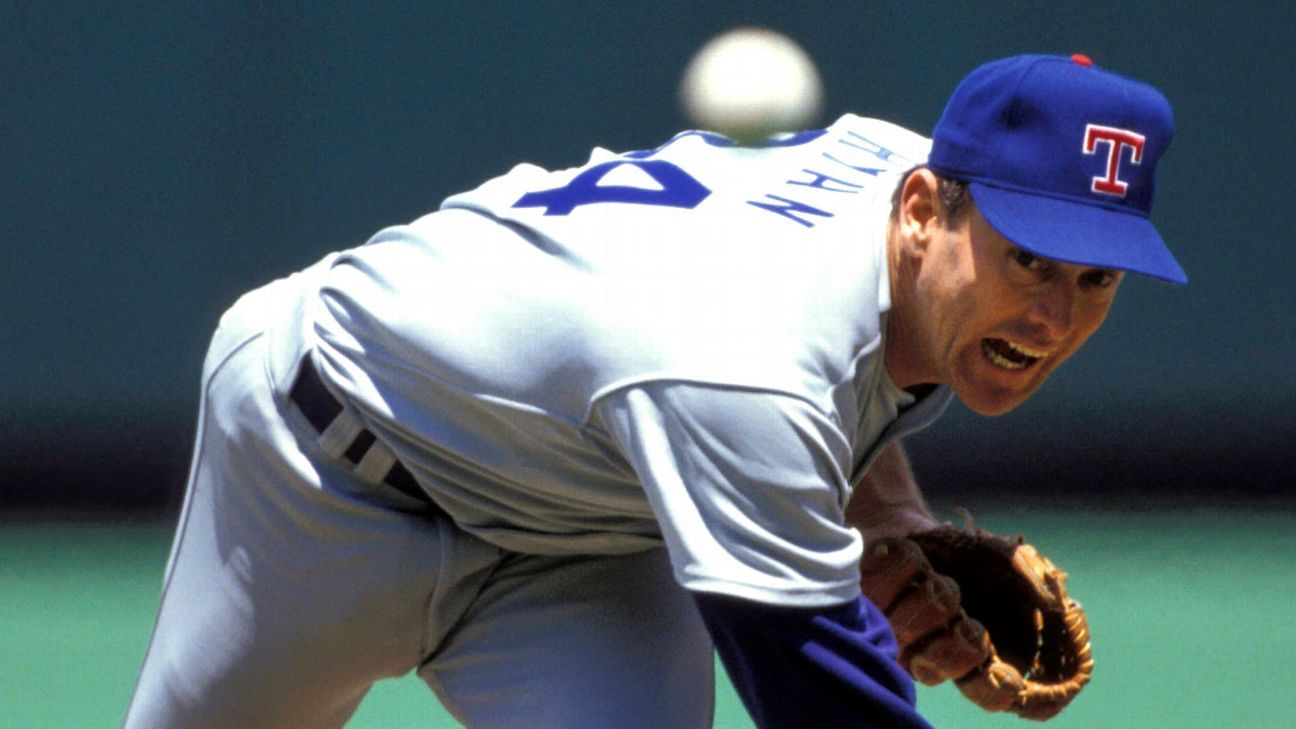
(158, 159)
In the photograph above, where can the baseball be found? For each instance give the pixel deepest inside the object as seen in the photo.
(749, 83)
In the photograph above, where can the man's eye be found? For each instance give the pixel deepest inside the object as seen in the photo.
(1100, 278)
(1026, 260)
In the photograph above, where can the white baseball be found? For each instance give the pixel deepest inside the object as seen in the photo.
(749, 83)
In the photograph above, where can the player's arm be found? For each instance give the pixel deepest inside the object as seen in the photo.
(830, 666)
(887, 501)
(811, 667)
(748, 490)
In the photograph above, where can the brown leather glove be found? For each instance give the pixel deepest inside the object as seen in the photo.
(985, 611)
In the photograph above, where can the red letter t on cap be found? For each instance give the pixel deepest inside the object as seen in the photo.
(1117, 139)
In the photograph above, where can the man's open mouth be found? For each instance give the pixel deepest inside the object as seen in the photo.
(1010, 355)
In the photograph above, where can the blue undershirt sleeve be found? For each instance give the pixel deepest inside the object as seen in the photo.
(812, 667)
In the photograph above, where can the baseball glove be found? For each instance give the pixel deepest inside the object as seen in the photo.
(986, 611)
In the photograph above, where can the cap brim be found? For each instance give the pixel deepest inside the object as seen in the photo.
(1074, 232)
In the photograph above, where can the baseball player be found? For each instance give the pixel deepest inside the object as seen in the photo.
(551, 444)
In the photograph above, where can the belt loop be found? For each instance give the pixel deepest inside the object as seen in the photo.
(376, 462)
(340, 436)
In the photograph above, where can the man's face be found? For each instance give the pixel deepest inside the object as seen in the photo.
(998, 320)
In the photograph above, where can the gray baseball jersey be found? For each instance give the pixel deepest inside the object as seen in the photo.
(680, 344)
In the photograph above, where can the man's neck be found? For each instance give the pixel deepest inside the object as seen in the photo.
(902, 355)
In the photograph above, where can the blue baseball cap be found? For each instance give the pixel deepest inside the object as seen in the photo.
(1061, 157)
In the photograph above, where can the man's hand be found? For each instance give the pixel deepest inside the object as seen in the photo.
(986, 611)
(937, 639)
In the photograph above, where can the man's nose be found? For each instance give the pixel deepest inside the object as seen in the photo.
(1055, 308)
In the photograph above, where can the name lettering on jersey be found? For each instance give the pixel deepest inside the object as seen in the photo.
(858, 168)
(789, 208)
(799, 211)
(826, 182)
(854, 139)
(1117, 141)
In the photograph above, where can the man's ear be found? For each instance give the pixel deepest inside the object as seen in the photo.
(919, 210)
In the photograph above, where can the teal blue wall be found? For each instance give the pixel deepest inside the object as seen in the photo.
(158, 159)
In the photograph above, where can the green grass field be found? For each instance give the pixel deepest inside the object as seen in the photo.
(1191, 614)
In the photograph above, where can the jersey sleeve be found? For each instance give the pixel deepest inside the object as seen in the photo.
(812, 667)
(749, 488)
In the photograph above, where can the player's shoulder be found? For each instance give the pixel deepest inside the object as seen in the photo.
(902, 141)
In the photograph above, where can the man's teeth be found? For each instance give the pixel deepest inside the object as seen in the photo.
(1027, 351)
(1010, 355)
(1001, 360)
